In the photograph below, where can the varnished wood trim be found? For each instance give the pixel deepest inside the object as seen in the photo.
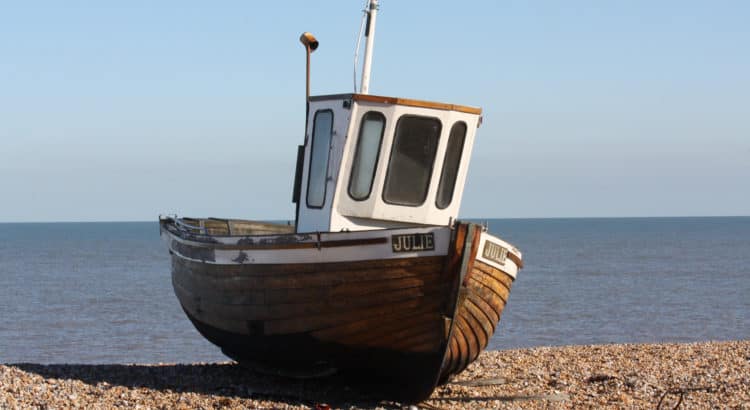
(479, 329)
(462, 354)
(476, 236)
(362, 330)
(416, 103)
(452, 267)
(365, 332)
(518, 261)
(483, 283)
(486, 308)
(485, 322)
(452, 357)
(496, 274)
(471, 337)
(489, 296)
(310, 324)
(459, 260)
(310, 310)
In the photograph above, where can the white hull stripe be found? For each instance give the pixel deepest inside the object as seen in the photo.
(497, 253)
(379, 246)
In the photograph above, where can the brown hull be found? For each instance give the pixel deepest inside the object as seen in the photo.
(411, 321)
(390, 304)
(481, 304)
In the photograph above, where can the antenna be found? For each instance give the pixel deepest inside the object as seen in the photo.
(359, 42)
(372, 14)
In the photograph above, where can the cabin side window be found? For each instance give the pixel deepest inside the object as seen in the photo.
(366, 155)
(318, 172)
(450, 165)
(412, 158)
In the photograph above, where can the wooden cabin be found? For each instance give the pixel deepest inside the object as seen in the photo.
(372, 162)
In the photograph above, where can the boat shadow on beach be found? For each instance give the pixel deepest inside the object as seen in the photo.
(218, 380)
(231, 380)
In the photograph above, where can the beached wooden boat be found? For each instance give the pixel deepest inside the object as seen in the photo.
(376, 275)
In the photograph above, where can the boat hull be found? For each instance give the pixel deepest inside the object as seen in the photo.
(481, 303)
(400, 375)
(406, 309)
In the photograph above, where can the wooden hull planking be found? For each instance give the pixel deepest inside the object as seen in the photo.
(327, 301)
(481, 303)
(415, 318)
(488, 268)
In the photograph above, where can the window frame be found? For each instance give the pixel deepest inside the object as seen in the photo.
(357, 151)
(458, 165)
(432, 165)
(328, 159)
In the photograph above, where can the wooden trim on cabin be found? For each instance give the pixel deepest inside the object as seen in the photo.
(416, 103)
(399, 101)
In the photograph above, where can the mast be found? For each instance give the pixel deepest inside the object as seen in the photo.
(372, 14)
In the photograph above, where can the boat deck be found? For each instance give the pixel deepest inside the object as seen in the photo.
(236, 227)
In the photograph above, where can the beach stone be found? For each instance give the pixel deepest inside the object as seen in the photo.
(708, 375)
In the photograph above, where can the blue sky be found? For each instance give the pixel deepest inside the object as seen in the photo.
(122, 112)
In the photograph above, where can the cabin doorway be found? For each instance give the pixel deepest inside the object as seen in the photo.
(326, 135)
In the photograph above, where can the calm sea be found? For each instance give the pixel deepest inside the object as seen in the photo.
(101, 292)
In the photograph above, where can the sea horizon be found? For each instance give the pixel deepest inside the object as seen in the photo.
(101, 292)
(470, 218)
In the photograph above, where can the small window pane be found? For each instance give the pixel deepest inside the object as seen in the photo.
(321, 143)
(450, 165)
(366, 155)
(412, 158)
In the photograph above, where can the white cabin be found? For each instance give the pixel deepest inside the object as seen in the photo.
(372, 162)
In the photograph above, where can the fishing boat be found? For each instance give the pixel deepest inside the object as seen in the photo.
(377, 275)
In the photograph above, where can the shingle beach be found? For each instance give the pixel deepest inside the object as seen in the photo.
(649, 376)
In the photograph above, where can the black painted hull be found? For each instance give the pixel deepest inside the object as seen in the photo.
(407, 377)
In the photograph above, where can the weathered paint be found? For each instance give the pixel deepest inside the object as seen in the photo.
(302, 248)
(345, 297)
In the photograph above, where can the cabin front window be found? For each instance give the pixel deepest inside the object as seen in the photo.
(366, 155)
(412, 157)
(450, 165)
(318, 170)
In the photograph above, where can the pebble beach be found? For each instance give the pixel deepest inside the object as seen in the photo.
(696, 375)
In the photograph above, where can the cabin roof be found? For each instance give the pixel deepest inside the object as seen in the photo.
(399, 101)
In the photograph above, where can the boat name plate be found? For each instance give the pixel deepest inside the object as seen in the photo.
(494, 252)
(413, 242)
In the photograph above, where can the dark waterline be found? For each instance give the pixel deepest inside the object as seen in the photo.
(101, 292)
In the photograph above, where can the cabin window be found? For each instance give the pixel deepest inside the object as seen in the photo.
(412, 158)
(317, 175)
(451, 163)
(366, 155)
